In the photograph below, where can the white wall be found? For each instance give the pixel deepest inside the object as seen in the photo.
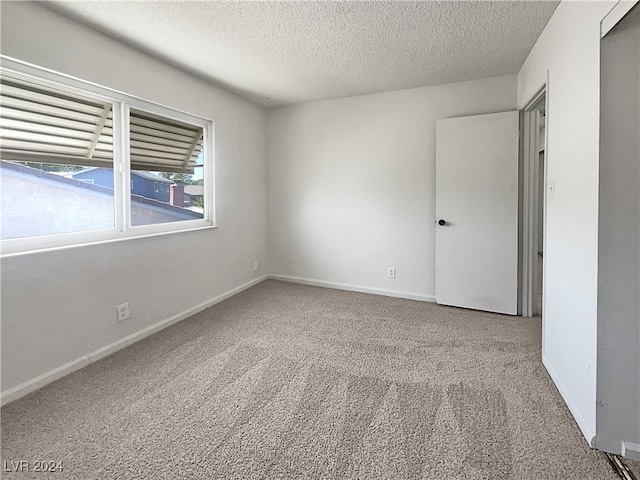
(351, 184)
(58, 307)
(569, 50)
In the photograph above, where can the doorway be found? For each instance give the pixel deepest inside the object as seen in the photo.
(533, 186)
(490, 191)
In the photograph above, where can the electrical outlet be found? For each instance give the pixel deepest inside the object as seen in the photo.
(123, 312)
(256, 265)
(391, 272)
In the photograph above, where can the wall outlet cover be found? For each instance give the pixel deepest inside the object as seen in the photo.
(123, 312)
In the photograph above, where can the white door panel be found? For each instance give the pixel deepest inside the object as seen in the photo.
(477, 196)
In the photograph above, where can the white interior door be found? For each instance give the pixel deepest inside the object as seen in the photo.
(477, 200)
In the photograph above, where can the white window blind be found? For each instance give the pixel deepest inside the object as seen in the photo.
(41, 124)
(162, 144)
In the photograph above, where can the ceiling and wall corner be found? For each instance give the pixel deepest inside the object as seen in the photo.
(279, 53)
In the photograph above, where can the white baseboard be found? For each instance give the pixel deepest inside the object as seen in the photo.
(584, 427)
(631, 450)
(41, 380)
(52, 375)
(355, 288)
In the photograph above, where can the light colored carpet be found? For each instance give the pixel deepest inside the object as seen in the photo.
(634, 466)
(289, 381)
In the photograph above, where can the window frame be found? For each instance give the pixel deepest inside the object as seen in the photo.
(122, 103)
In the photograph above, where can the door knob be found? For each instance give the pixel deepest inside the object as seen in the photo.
(442, 222)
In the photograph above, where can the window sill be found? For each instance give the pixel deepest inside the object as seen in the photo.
(106, 241)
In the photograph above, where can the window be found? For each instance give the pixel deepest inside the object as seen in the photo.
(80, 165)
(165, 156)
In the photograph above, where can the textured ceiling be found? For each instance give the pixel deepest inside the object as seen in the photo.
(278, 53)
